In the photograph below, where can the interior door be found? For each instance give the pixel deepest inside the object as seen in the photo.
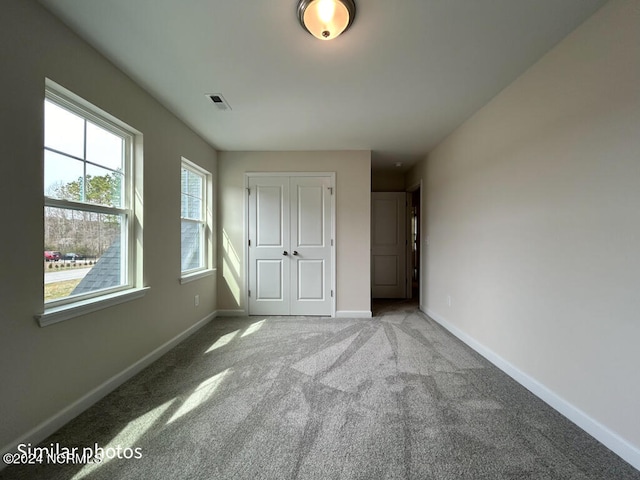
(388, 245)
(290, 245)
(311, 246)
(269, 269)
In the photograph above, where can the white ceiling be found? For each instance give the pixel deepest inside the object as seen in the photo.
(404, 76)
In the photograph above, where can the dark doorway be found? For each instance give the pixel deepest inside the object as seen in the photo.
(414, 242)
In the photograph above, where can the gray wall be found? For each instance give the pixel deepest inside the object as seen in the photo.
(44, 370)
(532, 209)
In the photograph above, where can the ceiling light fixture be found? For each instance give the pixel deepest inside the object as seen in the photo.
(326, 19)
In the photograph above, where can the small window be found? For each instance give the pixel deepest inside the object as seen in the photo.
(195, 232)
(88, 212)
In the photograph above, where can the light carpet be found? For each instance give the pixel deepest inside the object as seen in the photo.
(392, 397)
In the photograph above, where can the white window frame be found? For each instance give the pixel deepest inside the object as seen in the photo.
(205, 222)
(72, 306)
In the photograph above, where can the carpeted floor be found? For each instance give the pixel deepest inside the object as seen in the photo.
(393, 397)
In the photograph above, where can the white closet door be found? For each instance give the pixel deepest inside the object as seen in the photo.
(311, 246)
(269, 265)
(290, 251)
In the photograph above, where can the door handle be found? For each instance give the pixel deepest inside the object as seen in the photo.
(285, 253)
(295, 253)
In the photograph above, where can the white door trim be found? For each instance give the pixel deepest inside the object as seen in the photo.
(332, 176)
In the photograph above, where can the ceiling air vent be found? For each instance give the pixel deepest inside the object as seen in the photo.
(219, 101)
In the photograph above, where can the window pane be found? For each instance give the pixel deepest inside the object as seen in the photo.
(191, 246)
(184, 206)
(62, 177)
(191, 200)
(94, 239)
(103, 187)
(195, 208)
(191, 208)
(63, 130)
(184, 180)
(192, 211)
(104, 148)
(194, 185)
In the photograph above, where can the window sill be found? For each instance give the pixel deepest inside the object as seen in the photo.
(197, 275)
(66, 312)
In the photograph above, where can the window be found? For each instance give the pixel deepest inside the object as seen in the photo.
(194, 188)
(88, 202)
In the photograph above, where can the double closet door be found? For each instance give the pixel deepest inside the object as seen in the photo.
(290, 245)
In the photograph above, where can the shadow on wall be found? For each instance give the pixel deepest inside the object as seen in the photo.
(231, 268)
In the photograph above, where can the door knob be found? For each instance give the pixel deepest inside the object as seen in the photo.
(285, 253)
(295, 253)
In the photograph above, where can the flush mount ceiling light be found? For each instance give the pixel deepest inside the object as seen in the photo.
(326, 19)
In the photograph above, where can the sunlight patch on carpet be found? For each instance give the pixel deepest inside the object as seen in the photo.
(222, 341)
(254, 328)
(127, 437)
(201, 394)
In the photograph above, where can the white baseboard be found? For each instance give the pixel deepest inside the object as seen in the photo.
(231, 313)
(49, 426)
(607, 437)
(339, 313)
(353, 314)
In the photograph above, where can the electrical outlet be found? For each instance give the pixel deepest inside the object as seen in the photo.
(196, 300)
